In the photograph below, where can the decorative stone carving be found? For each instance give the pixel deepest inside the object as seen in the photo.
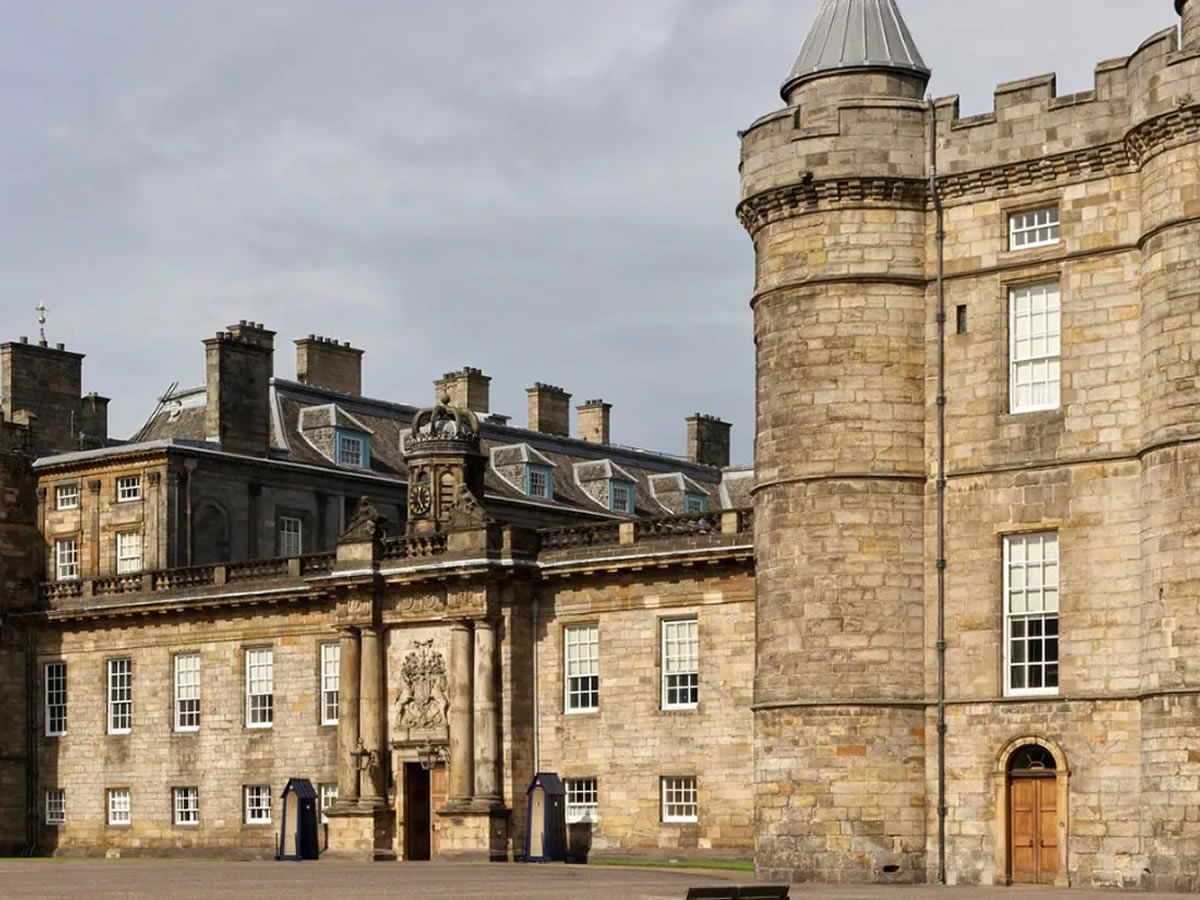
(466, 512)
(367, 524)
(424, 704)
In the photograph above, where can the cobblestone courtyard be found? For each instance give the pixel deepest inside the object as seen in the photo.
(183, 878)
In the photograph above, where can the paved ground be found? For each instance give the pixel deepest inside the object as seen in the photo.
(179, 879)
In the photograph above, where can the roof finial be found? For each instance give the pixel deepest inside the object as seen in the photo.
(41, 310)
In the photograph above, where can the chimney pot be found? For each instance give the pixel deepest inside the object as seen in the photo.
(468, 388)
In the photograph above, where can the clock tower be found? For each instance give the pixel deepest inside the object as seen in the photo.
(445, 470)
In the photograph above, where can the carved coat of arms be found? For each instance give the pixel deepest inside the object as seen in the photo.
(424, 702)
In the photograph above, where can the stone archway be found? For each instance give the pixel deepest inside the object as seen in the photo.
(1002, 778)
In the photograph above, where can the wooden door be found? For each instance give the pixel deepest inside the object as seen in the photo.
(439, 792)
(416, 812)
(1033, 830)
(291, 823)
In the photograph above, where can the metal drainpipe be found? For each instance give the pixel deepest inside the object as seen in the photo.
(940, 236)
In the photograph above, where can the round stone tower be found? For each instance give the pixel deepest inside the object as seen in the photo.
(834, 198)
(1164, 142)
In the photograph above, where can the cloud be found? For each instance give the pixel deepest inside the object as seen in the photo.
(542, 188)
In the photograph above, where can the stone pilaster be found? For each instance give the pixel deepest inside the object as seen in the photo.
(487, 723)
(370, 711)
(348, 675)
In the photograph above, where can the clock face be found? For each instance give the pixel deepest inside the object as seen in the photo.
(420, 500)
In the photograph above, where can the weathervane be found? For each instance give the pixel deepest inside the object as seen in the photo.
(41, 310)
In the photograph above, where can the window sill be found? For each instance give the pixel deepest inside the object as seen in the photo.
(332, 724)
(186, 824)
(119, 732)
(1020, 694)
(56, 734)
(189, 730)
(695, 821)
(694, 707)
(257, 824)
(582, 712)
(267, 727)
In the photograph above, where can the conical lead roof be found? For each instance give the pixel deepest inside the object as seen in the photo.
(856, 34)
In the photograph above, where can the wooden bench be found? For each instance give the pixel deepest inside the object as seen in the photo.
(739, 892)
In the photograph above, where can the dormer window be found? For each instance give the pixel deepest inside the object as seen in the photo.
(620, 496)
(695, 503)
(539, 482)
(352, 449)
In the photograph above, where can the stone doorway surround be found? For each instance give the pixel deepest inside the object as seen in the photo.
(1000, 785)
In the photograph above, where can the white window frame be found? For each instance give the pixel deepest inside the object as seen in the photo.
(1027, 604)
(257, 804)
(120, 807)
(1034, 228)
(55, 807)
(129, 488)
(291, 536)
(260, 687)
(120, 695)
(66, 559)
(676, 791)
(54, 679)
(618, 489)
(330, 675)
(583, 800)
(580, 694)
(187, 671)
(327, 794)
(359, 445)
(1035, 356)
(129, 562)
(680, 670)
(66, 496)
(185, 806)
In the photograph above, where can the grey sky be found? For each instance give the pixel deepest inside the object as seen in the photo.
(541, 188)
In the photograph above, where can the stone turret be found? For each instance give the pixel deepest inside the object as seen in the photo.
(834, 198)
(445, 470)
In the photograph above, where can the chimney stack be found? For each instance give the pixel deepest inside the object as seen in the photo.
(45, 382)
(594, 421)
(239, 363)
(93, 421)
(708, 440)
(549, 409)
(326, 363)
(468, 389)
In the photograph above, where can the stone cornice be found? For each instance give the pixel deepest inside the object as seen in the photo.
(812, 195)
(1174, 129)
(1102, 160)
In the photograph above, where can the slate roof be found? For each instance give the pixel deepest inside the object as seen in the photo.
(856, 34)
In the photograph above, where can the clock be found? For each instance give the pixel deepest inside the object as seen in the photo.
(420, 500)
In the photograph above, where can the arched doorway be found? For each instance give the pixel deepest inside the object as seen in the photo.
(1031, 804)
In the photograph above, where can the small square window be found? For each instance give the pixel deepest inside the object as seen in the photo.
(129, 487)
(351, 450)
(187, 805)
(1036, 228)
(695, 503)
(258, 804)
(581, 800)
(56, 807)
(66, 496)
(679, 802)
(120, 807)
(620, 496)
(960, 319)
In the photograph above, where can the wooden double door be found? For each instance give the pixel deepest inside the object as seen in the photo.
(1033, 829)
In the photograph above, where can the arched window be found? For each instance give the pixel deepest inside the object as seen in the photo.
(210, 534)
(446, 492)
(1031, 759)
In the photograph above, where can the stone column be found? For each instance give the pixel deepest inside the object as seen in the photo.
(487, 734)
(370, 710)
(461, 786)
(348, 673)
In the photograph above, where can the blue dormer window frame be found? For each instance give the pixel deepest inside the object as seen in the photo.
(340, 453)
(539, 481)
(615, 487)
(695, 503)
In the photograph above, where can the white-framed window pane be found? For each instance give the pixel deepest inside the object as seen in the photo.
(681, 664)
(187, 691)
(1036, 228)
(129, 487)
(581, 800)
(56, 806)
(56, 698)
(621, 496)
(120, 696)
(120, 807)
(679, 798)
(291, 536)
(581, 644)
(129, 551)
(260, 687)
(350, 450)
(1031, 596)
(187, 805)
(539, 482)
(66, 496)
(258, 804)
(331, 659)
(66, 558)
(328, 794)
(1035, 344)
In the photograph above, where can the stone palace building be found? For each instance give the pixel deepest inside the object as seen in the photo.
(946, 626)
